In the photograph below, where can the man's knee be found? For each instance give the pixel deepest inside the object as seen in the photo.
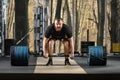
(51, 43)
(66, 43)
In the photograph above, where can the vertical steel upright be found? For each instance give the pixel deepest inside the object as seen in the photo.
(3, 6)
(38, 28)
(0, 27)
(41, 29)
(105, 24)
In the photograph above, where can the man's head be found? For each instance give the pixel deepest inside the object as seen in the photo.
(58, 24)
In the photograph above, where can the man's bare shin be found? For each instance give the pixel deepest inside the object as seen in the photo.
(45, 48)
(66, 51)
(50, 48)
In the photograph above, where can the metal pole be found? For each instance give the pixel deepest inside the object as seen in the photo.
(73, 20)
(24, 37)
(35, 25)
(43, 16)
(3, 27)
(105, 24)
(73, 15)
(5, 14)
(87, 35)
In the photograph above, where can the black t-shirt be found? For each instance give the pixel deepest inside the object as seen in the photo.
(65, 32)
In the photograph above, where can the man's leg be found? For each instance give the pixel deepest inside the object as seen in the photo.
(66, 51)
(50, 51)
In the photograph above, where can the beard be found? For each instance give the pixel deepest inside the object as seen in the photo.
(58, 29)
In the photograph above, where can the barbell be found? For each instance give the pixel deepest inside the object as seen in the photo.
(20, 55)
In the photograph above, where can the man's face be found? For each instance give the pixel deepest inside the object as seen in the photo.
(58, 25)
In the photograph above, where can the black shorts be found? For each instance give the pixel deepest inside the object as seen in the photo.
(62, 39)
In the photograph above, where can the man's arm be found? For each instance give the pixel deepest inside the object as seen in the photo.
(45, 41)
(71, 47)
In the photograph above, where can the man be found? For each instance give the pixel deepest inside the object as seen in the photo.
(58, 31)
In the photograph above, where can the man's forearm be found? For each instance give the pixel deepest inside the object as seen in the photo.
(45, 40)
(72, 45)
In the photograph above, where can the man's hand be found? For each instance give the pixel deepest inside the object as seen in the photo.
(71, 55)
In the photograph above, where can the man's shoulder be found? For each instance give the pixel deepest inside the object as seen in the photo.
(65, 25)
(51, 26)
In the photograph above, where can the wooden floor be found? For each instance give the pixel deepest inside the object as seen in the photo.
(78, 66)
(58, 66)
(37, 69)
